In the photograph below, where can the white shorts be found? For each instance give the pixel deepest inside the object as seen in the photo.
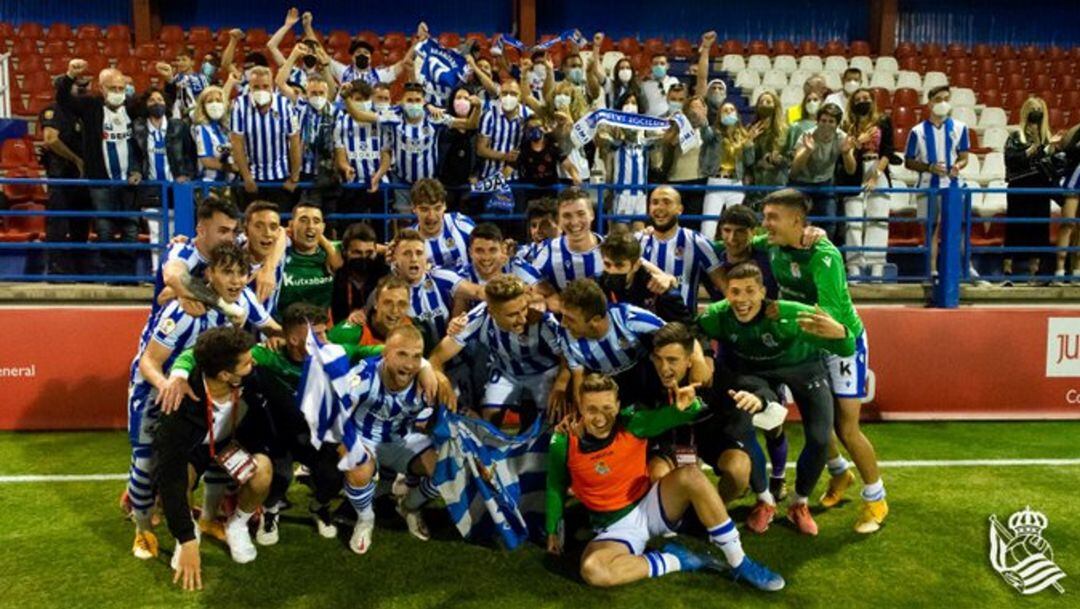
(396, 455)
(849, 374)
(630, 203)
(645, 521)
(504, 390)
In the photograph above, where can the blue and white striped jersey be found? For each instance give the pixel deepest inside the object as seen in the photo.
(158, 163)
(631, 166)
(362, 143)
(186, 253)
(309, 121)
(188, 88)
(527, 253)
(688, 255)
(932, 145)
(450, 249)
(414, 147)
(534, 351)
(504, 134)
(518, 268)
(431, 300)
(116, 142)
(375, 412)
(620, 348)
(372, 76)
(266, 135)
(559, 266)
(211, 141)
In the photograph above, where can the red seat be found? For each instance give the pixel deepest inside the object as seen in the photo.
(88, 31)
(681, 49)
(37, 104)
(990, 97)
(96, 63)
(30, 30)
(24, 47)
(256, 37)
(1061, 68)
(59, 31)
(7, 31)
(31, 63)
(955, 51)
(449, 40)
(395, 41)
(1005, 51)
(882, 98)
(16, 153)
(129, 65)
(758, 47)
(117, 49)
(906, 234)
(809, 47)
(986, 65)
(988, 234)
(629, 46)
(1030, 52)
(59, 63)
(903, 117)
(1013, 81)
(1057, 119)
(1036, 67)
(931, 49)
(373, 39)
(906, 97)
(118, 31)
(962, 79)
(1015, 98)
(147, 52)
(981, 51)
(936, 63)
(1040, 80)
(1011, 66)
(25, 228)
(171, 34)
(37, 81)
(905, 49)
(607, 45)
(1054, 53)
(54, 48)
(338, 39)
(200, 35)
(959, 64)
(141, 81)
(86, 48)
(655, 46)
(911, 62)
(860, 47)
(835, 47)
(973, 143)
(1070, 99)
(732, 47)
(783, 47)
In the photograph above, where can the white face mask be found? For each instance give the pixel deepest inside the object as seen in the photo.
(674, 106)
(540, 71)
(215, 110)
(115, 98)
(562, 101)
(361, 105)
(811, 108)
(941, 108)
(626, 74)
(317, 102)
(381, 106)
(509, 103)
(851, 86)
(631, 108)
(261, 97)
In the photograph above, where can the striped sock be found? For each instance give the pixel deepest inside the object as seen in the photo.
(420, 494)
(361, 498)
(726, 536)
(874, 492)
(838, 466)
(661, 564)
(140, 488)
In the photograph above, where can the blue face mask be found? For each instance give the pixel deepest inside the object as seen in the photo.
(728, 120)
(534, 134)
(414, 110)
(659, 71)
(208, 69)
(129, 91)
(576, 75)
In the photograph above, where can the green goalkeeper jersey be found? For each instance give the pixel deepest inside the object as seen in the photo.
(815, 275)
(768, 344)
(306, 279)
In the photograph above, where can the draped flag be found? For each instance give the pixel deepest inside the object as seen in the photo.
(506, 40)
(502, 198)
(325, 377)
(492, 483)
(584, 130)
(689, 138)
(573, 36)
(440, 65)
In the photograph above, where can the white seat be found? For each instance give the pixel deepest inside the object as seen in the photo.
(833, 80)
(992, 168)
(586, 56)
(811, 63)
(775, 79)
(906, 79)
(798, 78)
(863, 63)
(759, 63)
(992, 117)
(747, 80)
(883, 80)
(970, 172)
(733, 64)
(994, 138)
(990, 204)
(962, 96)
(836, 63)
(609, 60)
(965, 115)
(886, 64)
(933, 79)
(787, 63)
(791, 96)
(756, 93)
(900, 202)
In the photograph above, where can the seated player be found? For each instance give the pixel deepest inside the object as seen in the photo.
(225, 421)
(163, 339)
(382, 407)
(783, 349)
(602, 459)
(524, 350)
(446, 236)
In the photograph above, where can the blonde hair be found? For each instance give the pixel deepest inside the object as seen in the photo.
(201, 118)
(598, 383)
(503, 288)
(578, 106)
(773, 137)
(851, 123)
(1031, 104)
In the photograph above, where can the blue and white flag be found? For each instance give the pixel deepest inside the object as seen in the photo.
(689, 138)
(584, 130)
(572, 36)
(440, 65)
(506, 40)
(502, 198)
(492, 483)
(324, 379)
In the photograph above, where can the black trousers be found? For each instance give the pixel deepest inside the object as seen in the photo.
(73, 230)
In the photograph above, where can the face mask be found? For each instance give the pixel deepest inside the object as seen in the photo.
(540, 71)
(534, 134)
(851, 86)
(310, 61)
(215, 110)
(261, 98)
(462, 107)
(156, 110)
(576, 75)
(1035, 116)
(381, 106)
(659, 71)
(630, 108)
(562, 101)
(626, 74)
(115, 98)
(208, 69)
(129, 91)
(942, 108)
(764, 111)
(318, 103)
(414, 110)
(509, 103)
(811, 108)
(728, 120)
(674, 106)
(361, 61)
(861, 108)
(715, 98)
(614, 283)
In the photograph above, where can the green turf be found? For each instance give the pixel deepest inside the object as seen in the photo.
(66, 545)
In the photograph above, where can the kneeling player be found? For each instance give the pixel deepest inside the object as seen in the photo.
(604, 464)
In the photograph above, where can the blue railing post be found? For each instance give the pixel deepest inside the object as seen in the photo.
(947, 289)
(184, 207)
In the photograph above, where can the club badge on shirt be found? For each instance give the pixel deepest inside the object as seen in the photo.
(795, 271)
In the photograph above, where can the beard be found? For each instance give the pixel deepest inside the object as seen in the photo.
(663, 228)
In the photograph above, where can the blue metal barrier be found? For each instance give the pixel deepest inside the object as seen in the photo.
(177, 216)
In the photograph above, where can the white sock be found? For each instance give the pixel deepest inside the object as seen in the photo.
(240, 517)
(874, 491)
(661, 564)
(838, 466)
(726, 536)
(767, 497)
(801, 499)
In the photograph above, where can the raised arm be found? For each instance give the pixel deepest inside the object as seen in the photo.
(281, 80)
(272, 45)
(485, 80)
(235, 36)
(707, 40)
(595, 77)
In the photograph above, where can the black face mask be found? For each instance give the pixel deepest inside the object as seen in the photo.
(310, 61)
(614, 283)
(360, 266)
(362, 61)
(156, 110)
(861, 108)
(1035, 117)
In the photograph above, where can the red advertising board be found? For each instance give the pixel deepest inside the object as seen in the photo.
(67, 367)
